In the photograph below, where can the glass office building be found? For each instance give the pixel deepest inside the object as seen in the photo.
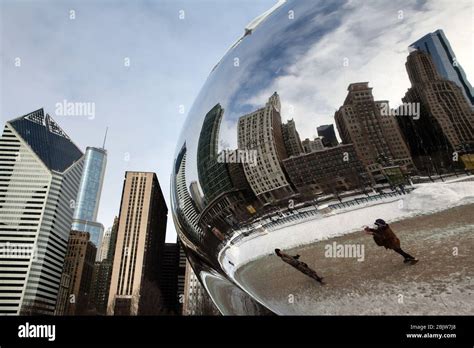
(88, 197)
(40, 172)
(437, 45)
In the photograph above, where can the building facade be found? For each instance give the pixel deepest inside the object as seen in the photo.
(377, 139)
(99, 294)
(40, 172)
(291, 138)
(326, 171)
(169, 277)
(134, 287)
(313, 145)
(88, 197)
(103, 250)
(78, 268)
(260, 131)
(196, 299)
(181, 277)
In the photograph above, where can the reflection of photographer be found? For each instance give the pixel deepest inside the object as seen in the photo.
(384, 236)
(299, 265)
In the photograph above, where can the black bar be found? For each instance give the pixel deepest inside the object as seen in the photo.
(287, 330)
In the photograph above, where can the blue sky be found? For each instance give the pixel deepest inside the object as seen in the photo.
(77, 51)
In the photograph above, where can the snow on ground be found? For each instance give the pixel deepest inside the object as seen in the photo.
(441, 283)
(427, 198)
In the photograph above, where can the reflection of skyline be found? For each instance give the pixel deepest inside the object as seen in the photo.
(374, 152)
(308, 60)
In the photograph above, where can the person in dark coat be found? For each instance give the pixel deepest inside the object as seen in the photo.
(384, 236)
(299, 265)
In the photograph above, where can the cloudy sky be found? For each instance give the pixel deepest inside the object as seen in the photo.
(79, 51)
(368, 44)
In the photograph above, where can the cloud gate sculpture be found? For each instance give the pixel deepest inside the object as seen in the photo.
(342, 134)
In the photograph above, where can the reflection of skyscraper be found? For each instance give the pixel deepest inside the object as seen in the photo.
(312, 145)
(185, 206)
(437, 46)
(446, 121)
(291, 138)
(88, 197)
(139, 247)
(326, 132)
(330, 170)
(213, 175)
(260, 131)
(40, 171)
(196, 195)
(377, 139)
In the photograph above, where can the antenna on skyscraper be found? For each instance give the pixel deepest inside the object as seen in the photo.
(105, 137)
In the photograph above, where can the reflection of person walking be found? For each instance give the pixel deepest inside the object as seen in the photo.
(384, 236)
(299, 265)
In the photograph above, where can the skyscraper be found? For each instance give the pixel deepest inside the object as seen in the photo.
(169, 277)
(134, 287)
(103, 250)
(444, 60)
(291, 139)
(181, 277)
(326, 132)
(377, 139)
(88, 197)
(78, 267)
(446, 122)
(99, 294)
(260, 131)
(40, 172)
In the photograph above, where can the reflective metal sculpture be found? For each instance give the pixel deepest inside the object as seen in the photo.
(340, 133)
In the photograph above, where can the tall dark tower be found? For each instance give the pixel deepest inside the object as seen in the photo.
(328, 135)
(436, 44)
(134, 287)
(446, 122)
(213, 175)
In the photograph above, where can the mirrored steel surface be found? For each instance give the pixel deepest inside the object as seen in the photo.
(266, 161)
